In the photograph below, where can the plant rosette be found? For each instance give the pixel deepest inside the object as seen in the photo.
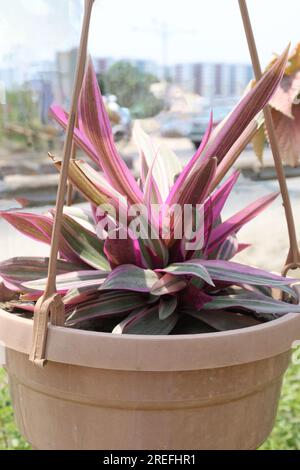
(168, 343)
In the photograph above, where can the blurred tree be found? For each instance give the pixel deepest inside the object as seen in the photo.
(22, 107)
(132, 89)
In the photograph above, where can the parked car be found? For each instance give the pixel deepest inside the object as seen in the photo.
(199, 123)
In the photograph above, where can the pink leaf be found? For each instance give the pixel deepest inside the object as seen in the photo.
(122, 249)
(94, 121)
(194, 192)
(195, 296)
(190, 167)
(246, 110)
(235, 223)
(39, 228)
(80, 138)
(220, 196)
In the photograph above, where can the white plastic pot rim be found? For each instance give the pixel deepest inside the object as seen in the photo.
(155, 353)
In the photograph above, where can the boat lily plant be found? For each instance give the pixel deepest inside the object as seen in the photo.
(156, 283)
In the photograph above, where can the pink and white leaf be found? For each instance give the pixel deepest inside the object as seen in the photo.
(94, 122)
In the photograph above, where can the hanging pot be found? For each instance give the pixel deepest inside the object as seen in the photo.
(100, 391)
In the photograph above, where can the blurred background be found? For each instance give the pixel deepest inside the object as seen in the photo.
(164, 64)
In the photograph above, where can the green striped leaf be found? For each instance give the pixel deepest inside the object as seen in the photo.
(147, 322)
(189, 268)
(167, 307)
(254, 302)
(85, 244)
(132, 278)
(109, 304)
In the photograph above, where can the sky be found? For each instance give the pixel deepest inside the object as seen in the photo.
(199, 30)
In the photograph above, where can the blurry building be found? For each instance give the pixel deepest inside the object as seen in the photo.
(10, 77)
(212, 81)
(66, 67)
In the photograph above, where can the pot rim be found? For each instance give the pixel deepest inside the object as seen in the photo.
(155, 353)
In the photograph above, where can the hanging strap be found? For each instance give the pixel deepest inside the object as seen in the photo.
(50, 306)
(293, 259)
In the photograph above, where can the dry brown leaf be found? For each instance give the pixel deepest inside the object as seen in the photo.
(258, 142)
(288, 135)
(294, 61)
(286, 94)
(6, 294)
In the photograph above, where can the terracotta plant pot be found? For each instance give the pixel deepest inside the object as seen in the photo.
(99, 391)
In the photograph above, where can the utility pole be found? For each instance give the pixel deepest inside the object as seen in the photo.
(162, 29)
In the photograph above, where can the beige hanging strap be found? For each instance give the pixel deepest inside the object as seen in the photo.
(293, 259)
(70, 189)
(50, 306)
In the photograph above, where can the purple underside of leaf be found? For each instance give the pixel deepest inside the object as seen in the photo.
(235, 223)
(194, 296)
(123, 250)
(246, 110)
(94, 122)
(243, 247)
